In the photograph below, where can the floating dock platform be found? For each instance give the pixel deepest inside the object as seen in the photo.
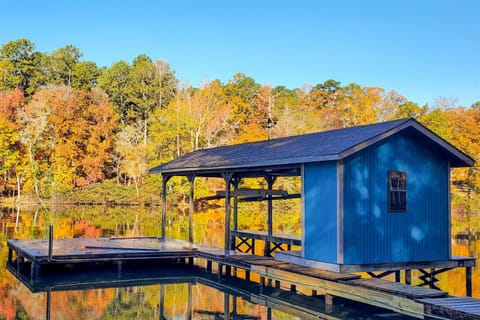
(34, 256)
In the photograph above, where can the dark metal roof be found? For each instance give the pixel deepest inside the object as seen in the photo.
(291, 152)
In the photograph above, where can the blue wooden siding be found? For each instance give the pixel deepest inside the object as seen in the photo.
(320, 211)
(372, 234)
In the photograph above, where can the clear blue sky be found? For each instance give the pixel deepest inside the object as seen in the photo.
(422, 49)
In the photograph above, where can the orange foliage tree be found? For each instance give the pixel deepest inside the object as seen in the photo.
(10, 102)
(68, 134)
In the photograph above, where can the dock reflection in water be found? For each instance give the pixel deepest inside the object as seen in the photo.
(101, 294)
(179, 291)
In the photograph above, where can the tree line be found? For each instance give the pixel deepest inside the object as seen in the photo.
(66, 123)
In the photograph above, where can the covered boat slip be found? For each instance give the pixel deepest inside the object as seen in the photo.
(355, 215)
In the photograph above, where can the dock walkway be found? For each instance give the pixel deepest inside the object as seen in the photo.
(35, 255)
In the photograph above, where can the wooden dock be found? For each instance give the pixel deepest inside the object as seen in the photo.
(32, 257)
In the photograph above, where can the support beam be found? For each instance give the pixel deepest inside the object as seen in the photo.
(49, 304)
(50, 242)
(236, 183)
(408, 276)
(468, 281)
(226, 306)
(161, 304)
(191, 181)
(164, 203)
(270, 181)
(189, 302)
(227, 176)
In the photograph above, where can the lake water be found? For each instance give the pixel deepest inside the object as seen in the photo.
(162, 292)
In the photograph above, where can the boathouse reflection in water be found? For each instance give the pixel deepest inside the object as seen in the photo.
(263, 303)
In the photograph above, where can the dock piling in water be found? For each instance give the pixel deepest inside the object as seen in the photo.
(50, 242)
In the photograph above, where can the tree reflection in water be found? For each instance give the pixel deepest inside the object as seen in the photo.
(155, 300)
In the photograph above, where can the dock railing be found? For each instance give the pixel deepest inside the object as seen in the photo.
(247, 241)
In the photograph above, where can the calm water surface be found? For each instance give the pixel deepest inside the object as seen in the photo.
(159, 293)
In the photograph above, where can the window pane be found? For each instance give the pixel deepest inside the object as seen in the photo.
(397, 191)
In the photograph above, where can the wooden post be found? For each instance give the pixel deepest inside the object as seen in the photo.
(432, 278)
(468, 281)
(189, 302)
(50, 242)
(191, 181)
(228, 179)
(236, 183)
(209, 265)
(164, 203)
(10, 256)
(234, 306)
(49, 303)
(226, 306)
(328, 303)
(328, 299)
(161, 305)
(270, 181)
(408, 276)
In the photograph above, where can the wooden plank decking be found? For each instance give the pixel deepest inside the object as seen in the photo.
(453, 307)
(400, 289)
(406, 299)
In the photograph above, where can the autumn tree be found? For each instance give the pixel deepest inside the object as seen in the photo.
(133, 153)
(139, 89)
(321, 107)
(68, 135)
(209, 112)
(64, 67)
(20, 66)
(60, 64)
(194, 119)
(465, 135)
(241, 92)
(85, 75)
(169, 132)
(10, 103)
(286, 104)
(35, 136)
(116, 82)
(83, 124)
(261, 118)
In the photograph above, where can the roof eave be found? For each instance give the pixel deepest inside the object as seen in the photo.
(274, 164)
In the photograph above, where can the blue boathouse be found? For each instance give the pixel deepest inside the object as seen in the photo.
(374, 197)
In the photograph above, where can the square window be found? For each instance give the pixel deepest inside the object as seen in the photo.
(397, 191)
